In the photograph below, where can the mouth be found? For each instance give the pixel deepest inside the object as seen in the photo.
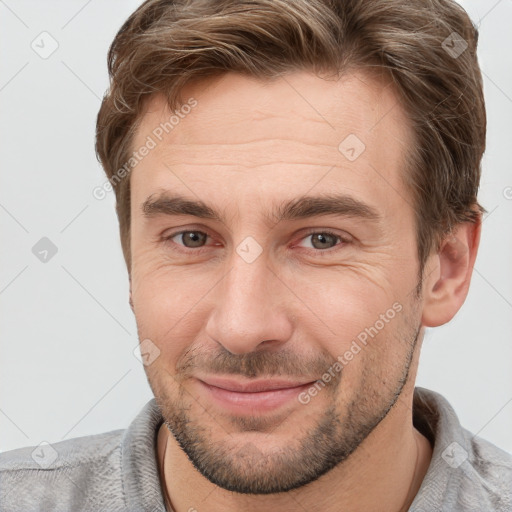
(251, 396)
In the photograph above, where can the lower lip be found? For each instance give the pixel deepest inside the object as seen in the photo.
(250, 402)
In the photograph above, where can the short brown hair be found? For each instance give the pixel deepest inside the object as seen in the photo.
(426, 47)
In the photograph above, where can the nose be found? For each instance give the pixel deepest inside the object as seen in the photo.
(250, 308)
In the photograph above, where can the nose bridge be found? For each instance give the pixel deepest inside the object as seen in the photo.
(248, 280)
(247, 309)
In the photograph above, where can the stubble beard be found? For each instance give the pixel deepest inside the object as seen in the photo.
(245, 468)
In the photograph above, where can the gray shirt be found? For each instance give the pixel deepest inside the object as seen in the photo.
(118, 470)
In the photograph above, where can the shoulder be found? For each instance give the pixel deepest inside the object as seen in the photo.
(466, 473)
(63, 475)
(489, 469)
(63, 454)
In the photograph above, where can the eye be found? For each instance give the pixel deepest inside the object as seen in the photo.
(322, 241)
(193, 240)
(188, 239)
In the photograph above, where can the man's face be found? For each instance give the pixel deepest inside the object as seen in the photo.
(257, 296)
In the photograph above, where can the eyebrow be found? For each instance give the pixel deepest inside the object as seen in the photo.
(299, 208)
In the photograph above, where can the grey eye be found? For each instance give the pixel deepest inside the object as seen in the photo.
(192, 239)
(323, 240)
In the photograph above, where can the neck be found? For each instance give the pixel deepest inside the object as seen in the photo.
(384, 473)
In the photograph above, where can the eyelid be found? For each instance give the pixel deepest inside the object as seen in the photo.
(345, 237)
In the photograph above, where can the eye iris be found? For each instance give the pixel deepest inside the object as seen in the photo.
(195, 238)
(323, 238)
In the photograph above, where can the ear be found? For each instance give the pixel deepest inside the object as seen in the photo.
(449, 275)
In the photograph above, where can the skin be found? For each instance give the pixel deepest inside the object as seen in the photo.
(246, 147)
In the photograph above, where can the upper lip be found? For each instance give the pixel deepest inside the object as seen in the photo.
(251, 386)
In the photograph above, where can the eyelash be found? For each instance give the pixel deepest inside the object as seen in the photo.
(318, 252)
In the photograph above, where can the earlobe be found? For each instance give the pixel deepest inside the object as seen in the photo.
(447, 283)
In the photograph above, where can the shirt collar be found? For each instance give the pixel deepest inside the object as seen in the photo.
(141, 483)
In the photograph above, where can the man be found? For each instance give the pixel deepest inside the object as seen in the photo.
(296, 187)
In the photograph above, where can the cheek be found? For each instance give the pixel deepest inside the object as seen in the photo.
(358, 321)
(345, 302)
(168, 307)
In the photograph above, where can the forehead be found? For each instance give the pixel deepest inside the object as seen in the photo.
(244, 134)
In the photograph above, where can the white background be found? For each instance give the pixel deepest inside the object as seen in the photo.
(67, 367)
